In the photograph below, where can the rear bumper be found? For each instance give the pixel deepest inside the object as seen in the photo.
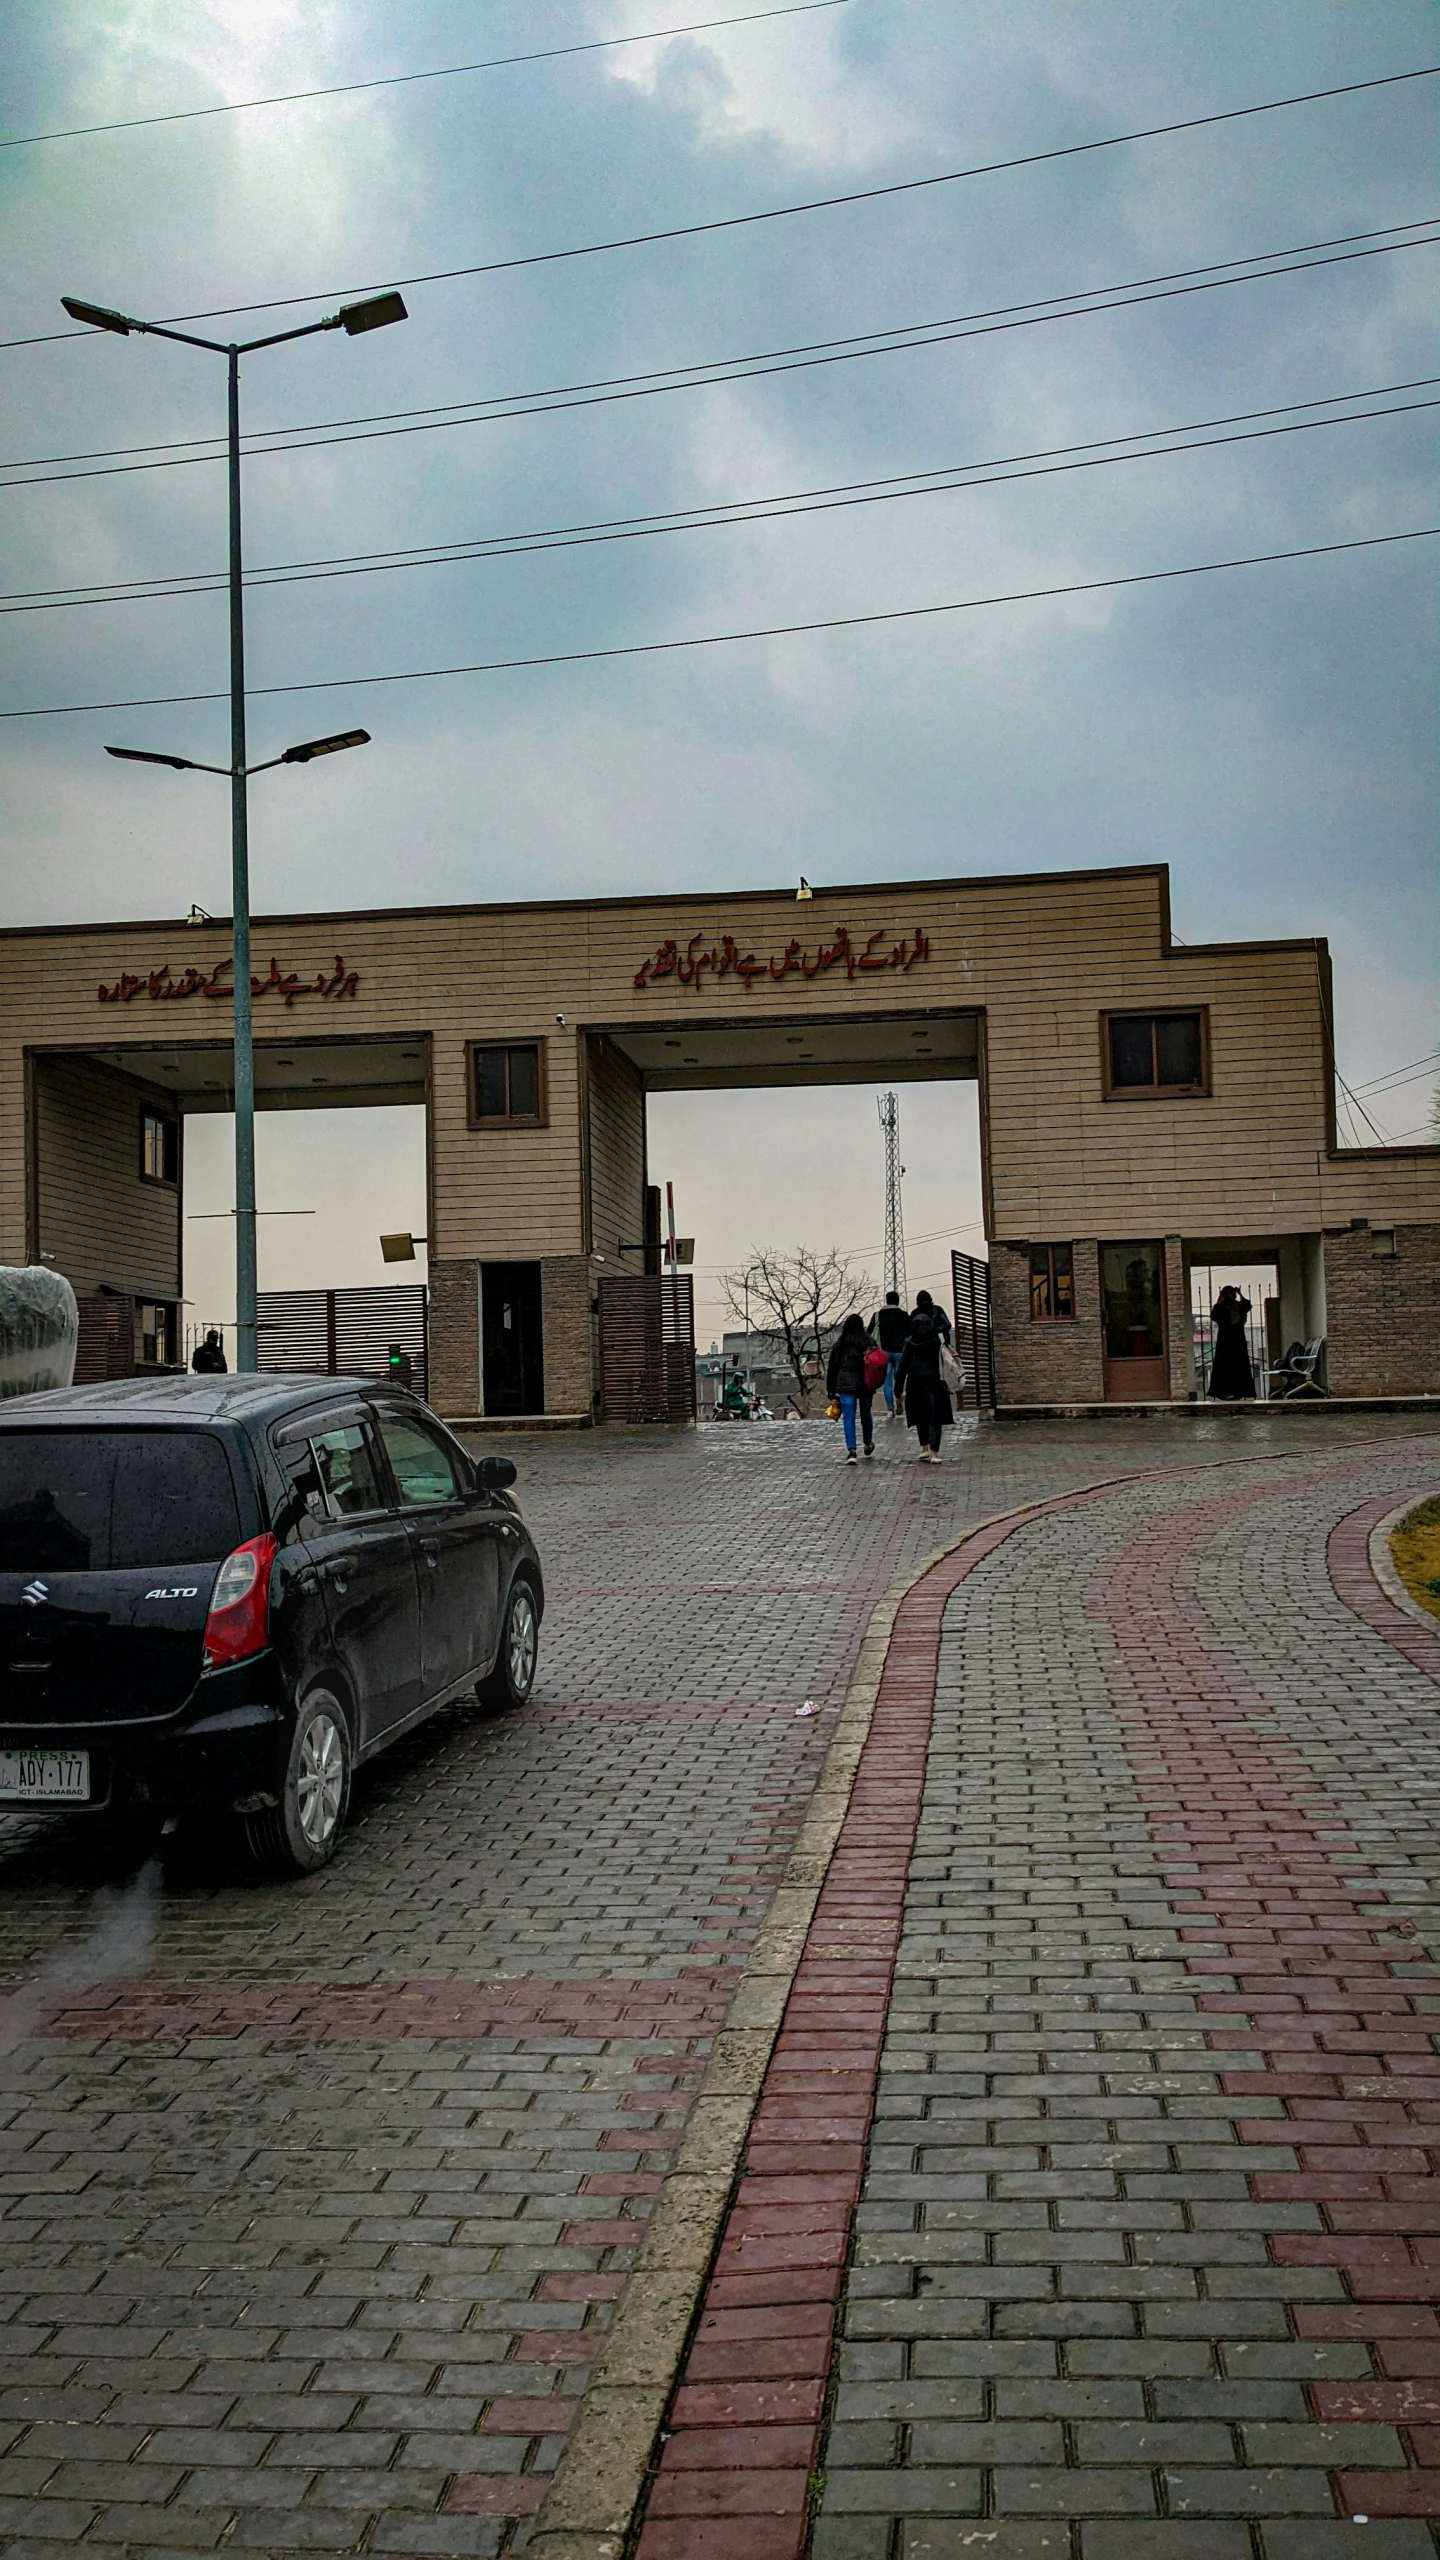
(225, 1750)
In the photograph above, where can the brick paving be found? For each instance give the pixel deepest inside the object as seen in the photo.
(314, 2199)
(1146, 2257)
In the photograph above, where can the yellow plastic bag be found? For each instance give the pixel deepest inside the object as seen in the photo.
(832, 1411)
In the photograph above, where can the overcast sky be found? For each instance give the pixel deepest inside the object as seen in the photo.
(1269, 733)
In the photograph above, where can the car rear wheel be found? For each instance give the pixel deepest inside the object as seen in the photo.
(299, 1834)
(513, 1678)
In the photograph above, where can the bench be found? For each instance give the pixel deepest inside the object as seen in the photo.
(1295, 1373)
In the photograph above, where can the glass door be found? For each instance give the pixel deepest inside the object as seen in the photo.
(1132, 1302)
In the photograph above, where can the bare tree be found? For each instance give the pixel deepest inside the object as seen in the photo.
(794, 1301)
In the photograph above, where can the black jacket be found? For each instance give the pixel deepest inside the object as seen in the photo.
(845, 1375)
(938, 1318)
(918, 1379)
(890, 1327)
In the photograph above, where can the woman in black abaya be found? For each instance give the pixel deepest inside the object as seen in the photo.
(1231, 1376)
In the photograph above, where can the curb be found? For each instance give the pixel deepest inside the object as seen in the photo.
(1382, 1565)
(589, 2509)
(591, 2500)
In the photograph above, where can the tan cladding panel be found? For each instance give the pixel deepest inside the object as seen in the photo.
(478, 972)
(1041, 956)
(1244, 1157)
(98, 1221)
(617, 1155)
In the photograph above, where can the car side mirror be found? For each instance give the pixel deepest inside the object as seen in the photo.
(496, 1473)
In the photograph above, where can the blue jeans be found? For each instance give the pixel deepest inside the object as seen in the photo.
(893, 1359)
(848, 1405)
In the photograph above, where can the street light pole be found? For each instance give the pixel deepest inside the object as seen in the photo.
(247, 1350)
(355, 319)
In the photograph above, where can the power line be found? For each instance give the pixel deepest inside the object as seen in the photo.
(711, 375)
(864, 340)
(1399, 1077)
(723, 639)
(783, 212)
(726, 514)
(408, 79)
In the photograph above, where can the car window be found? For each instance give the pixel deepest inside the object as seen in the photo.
(108, 1501)
(424, 1469)
(346, 1469)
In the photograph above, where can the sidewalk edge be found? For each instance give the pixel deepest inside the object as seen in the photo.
(591, 2500)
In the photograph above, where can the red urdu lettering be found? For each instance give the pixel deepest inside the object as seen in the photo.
(869, 958)
(794, 959)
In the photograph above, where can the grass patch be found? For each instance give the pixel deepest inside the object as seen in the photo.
(1415, 1546)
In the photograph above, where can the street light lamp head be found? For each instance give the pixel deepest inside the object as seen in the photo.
(143, 755)
(96, 317)
(326, 746)
(356, 317)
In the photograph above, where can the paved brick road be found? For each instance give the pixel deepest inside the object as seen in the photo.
(1147, 2251)
(315, 2198)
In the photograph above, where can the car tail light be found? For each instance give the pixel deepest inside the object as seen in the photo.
(239, 1620)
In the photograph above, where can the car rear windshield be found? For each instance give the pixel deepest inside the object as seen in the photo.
(102, 1501)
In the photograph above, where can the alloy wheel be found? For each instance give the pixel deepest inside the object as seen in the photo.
(320, 1778)
(521, 1641)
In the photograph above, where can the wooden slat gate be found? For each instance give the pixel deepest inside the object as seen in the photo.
(340, 1331)
(647, 1348)
(970, 1280)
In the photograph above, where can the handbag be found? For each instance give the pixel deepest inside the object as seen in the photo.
(952, 1372)
(832, 1410)
(877, 1363)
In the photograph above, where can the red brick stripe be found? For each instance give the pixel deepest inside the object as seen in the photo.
(1348, 1559)
(744, 2426)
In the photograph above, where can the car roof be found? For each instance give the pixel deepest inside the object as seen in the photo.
(256, 1400)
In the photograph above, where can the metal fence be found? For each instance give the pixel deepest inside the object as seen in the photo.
(1206, 1284)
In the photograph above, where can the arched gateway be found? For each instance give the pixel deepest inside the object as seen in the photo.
(1143, 1107)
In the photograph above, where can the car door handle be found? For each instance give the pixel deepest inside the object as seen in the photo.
(430, 1550)
(337, 1574)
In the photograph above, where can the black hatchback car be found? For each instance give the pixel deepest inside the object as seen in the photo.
(223, 1594)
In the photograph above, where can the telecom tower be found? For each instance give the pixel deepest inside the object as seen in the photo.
(889, 1109)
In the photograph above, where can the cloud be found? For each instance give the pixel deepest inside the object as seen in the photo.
(1267, 734)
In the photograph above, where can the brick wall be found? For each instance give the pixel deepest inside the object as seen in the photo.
(1045, 1363)
(455, 1337)
(1383, 1313)
(1179, 1329)
(565, 1291)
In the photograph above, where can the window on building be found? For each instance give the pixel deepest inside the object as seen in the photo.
(1052, 1282)
(507, 1085)
(159, 1147)
(1155, 1053)
(1382, 1243)
(156, 1324)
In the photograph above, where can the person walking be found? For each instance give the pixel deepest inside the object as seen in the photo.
(925, 1306)
(1231, 1377)
(889, 1325)
(928, 1409)
(209, 1359)
(845, 1381)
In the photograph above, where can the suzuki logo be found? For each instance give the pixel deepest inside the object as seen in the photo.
(35, 1592)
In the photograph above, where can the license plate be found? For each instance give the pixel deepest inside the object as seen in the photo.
(44, 1777)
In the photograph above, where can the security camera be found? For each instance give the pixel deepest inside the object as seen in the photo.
(560, 1018)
